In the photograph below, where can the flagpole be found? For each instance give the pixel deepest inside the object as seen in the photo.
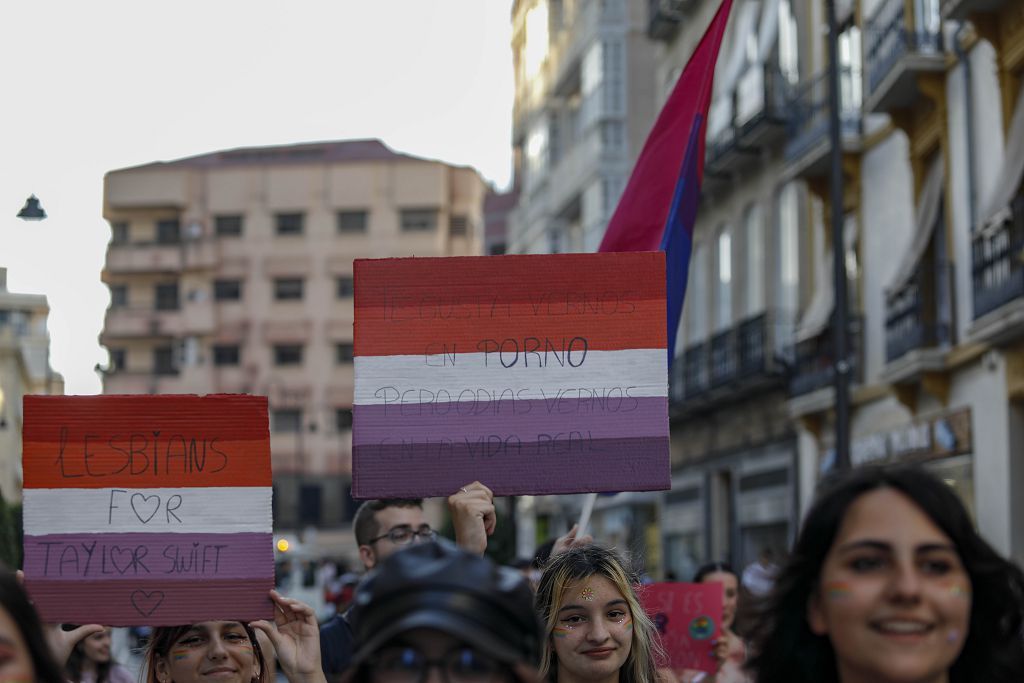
(840, 322)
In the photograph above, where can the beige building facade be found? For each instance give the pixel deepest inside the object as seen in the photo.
(24, 369)
(231, 272)
(932, 134)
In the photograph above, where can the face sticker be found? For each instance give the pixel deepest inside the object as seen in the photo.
(587, 594)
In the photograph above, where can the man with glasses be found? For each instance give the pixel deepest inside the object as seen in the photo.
(383, 527)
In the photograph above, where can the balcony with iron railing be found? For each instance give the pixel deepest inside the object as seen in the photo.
(735, 363)
(959, 10)
(998, 263)
(722, 152)
(814, 360)
(899, 48)
(913, 319)
(809, 140)
(664, 18)
(762, 96)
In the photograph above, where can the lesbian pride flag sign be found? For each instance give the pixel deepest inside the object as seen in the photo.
(533, 374)
(147, 510)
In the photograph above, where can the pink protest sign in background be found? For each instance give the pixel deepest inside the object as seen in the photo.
(689, 619)
(147, 510)
(533, 374)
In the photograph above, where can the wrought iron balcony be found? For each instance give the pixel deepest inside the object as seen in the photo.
(814, 362)
(913, 320)
(696, 377)
(762, 95)
(723, 358)
(734, 363)
(896, 51)
(997, 265)
(809, 140)
(958, 10)
(723, 153)
(664, 18)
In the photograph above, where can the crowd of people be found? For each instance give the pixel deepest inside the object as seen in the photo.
(887, 582)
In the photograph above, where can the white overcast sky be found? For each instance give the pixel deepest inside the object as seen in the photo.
(93, 86)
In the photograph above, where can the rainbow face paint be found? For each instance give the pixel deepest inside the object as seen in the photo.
(179, 655)
(587, 594)
(958, 591)
(561, 631)
(837, 590)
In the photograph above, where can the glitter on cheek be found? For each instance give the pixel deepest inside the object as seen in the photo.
(953, 636)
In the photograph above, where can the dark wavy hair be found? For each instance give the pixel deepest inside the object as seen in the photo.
(787, 650)
(713, 568)
(76, 662)
(163, 640)
(15, 601)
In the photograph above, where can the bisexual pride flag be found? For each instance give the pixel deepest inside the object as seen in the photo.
(658, 208)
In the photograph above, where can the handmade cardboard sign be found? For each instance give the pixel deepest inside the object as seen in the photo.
(532, 374)
(147, 510)
(689, 620)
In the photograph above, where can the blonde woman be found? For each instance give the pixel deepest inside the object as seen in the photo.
(595, 630)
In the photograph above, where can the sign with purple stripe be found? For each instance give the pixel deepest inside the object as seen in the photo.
(148, 510)
(534, 374)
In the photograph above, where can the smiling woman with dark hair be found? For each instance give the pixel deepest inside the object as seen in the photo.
(26, 654)
(889, 581)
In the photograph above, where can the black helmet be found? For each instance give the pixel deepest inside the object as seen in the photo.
(437, 585)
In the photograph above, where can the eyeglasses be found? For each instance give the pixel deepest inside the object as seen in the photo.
(409, 665)
(401, 535)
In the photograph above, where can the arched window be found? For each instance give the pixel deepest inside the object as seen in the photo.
(723, 289)
(789, 43)
(787, 292)
(696, 300)
(753, 249)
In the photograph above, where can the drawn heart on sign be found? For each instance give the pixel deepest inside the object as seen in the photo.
(146, 602)
(115, 553)
(145, 501)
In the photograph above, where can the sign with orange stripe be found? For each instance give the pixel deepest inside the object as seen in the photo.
(161, 504)
(534, 374)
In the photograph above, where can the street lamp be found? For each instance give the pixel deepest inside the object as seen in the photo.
(32, 211)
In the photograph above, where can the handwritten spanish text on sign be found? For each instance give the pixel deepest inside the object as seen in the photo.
(147, 510)
(533, 374)
(689, 618)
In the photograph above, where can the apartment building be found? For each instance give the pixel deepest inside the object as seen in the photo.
(24, 369)
(583, 106)
(584, 103)
(932, 131)
(232, 272)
